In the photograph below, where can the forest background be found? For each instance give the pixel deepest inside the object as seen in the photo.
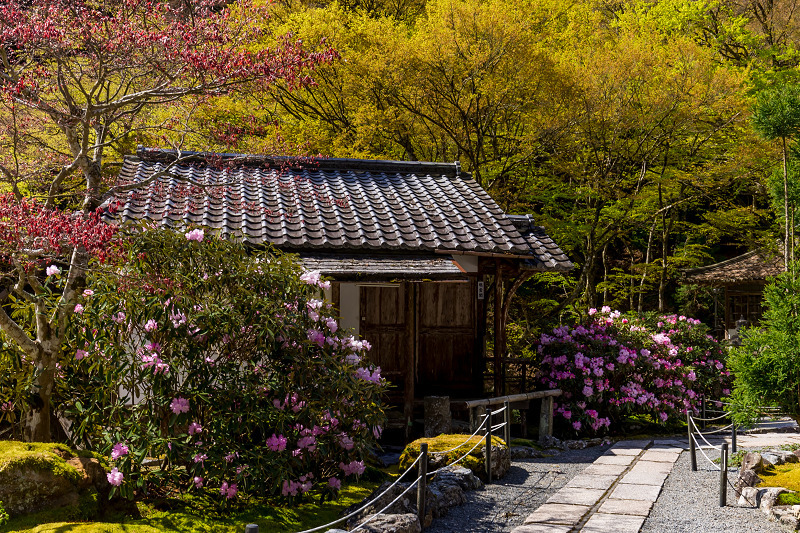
(624, 127)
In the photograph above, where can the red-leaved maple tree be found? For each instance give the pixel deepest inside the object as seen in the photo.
(79, 81)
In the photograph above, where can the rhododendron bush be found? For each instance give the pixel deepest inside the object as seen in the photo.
(222, 364)
(611, 367)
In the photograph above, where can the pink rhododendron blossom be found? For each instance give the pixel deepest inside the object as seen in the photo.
(199, 458)
(53, 270)
(335, 483)
(366, 375)
(332, 324)
(354, 467)
(194, 235)
(120, 449)
(576, 425)
(151, 325)
(78, 309)
(88, 292)
(179, 405)
(290, 488)
(80, 354)
(115, 477)
(277, 443)
(310, 278)
(119, 318)
(229, 491)
(345, 442)
(195, 428)
(198, 482)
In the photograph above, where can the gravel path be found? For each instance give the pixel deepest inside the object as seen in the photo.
(505, 504)
(688, 503)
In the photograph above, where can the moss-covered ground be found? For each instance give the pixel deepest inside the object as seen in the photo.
(786, 476)
(182, 518)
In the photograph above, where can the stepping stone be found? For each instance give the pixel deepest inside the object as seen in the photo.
(557, 513)
(577, 496)
(652, 466)
(645, 478)
(604, 470)
(631, 507)
(613, 523)
(615, 460)
(632, 444)
(542, 528)
(592, 482)
(623, 451)
(662, 444)
(628, 491)
(660, 456)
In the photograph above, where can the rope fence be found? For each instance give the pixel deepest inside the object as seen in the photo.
(421, 463)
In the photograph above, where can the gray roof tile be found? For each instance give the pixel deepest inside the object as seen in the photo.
(330, 205)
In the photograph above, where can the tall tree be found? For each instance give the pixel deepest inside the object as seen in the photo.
(81, 78)
(776, 116)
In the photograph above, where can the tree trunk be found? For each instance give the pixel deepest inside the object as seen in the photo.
(36, 426)
(787, 233)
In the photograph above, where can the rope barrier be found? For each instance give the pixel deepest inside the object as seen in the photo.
(729, 426)
(498, 426)
(703, 436)
(704, 454)
(498, 411)
(368, 520)
(480, 427)
(390, 487)
(459, 459)
(711, 419)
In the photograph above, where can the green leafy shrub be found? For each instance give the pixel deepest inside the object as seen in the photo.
(4, 518)
(766, 366)
(202, 363)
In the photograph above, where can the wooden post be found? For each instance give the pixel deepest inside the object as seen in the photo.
(733, 438)
(546, 419)
(723, 476)
(692, 452)
(507, 421)
(703, 412)
(423, 481)
(488, 454)
(251, 528)
(499, 334)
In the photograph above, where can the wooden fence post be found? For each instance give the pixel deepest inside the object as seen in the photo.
(488, 454)
(423, 481)
(507, 420)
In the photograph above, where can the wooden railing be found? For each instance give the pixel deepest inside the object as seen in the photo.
(516, 401)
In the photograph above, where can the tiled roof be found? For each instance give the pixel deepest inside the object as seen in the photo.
(324, 205)
(752, 266)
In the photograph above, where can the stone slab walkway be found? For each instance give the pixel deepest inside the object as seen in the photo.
(616, 493)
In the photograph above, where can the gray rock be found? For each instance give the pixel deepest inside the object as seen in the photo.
(380, 498)
(464, 477)
(772, 458)
(394, 523)
(750, 497)
(445, 493)
(753, 461)
(747, 478)
(525, 452)
(501, 462)
(768, 498)
(786, 515)
(785, 457)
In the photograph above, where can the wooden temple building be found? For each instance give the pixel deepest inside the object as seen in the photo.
(420, 255)
(741, 280)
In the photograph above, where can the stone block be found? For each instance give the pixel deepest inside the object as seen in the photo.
(613, 523)
(628, 507)
(592, 482)
(577, 496)
(641, 477)
(661, 456)
(652, 466)
(615, 460)
(604, 470)
(557, 513)
(541, 528)
(627, 491)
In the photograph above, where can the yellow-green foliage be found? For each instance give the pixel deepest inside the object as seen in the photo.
(50, 457)
(786, 476)
(445, 442)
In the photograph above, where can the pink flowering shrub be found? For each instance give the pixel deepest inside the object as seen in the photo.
(231, 368)
(612, 367)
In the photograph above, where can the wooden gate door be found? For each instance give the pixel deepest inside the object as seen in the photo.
(387, 323)
(447, 357)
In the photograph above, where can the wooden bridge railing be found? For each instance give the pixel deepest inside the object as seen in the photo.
(517, 401)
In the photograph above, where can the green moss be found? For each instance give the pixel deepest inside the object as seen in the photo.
(786, 476)
(527, 443)
(88, 507)
(788, 498)
(446, 442)
(43, 456)
(270, 517)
